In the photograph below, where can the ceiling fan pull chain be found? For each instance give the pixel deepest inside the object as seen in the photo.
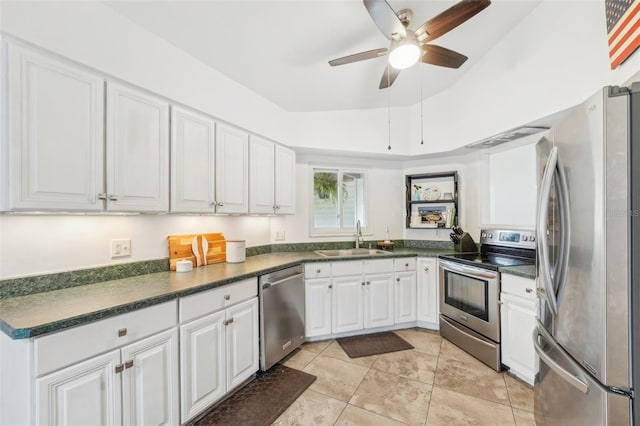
(421, 101)
(389, 106)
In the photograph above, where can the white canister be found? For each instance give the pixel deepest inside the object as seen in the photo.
(235, 251)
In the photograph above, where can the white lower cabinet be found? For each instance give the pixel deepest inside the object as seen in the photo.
(134, 385)
(317, 306)
(518, 316)
(87, 393)
(347, 304)
(242, 342)
(405, 297)
(203, 363)
(220, 350)
(427, 291)
(378, 300)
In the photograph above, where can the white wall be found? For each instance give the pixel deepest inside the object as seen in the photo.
(35, 244)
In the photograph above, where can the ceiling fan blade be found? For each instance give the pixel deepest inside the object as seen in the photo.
(441, 56)
(385, 18)
(449, 19)
(369, 54)
(389, 76)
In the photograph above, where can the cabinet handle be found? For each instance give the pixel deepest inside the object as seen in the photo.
(102, 196)
(214, 203)
(368, 282)
(227, 297)
(406, 265)
(113, 197)
(119, 368)
(318, 270)
(398, 279)
(426, 269)
(330, 285)
(122, 332)
(500, 302)
(128, 364)
(362, 283)
(229, 321)
(220, 204)
(528, 290)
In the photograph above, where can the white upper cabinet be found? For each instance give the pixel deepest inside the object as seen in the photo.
(261, 176)
(272, 178)
(192, 162)
(55, 139)
(285, 180)
(232, 171)
(137, 151)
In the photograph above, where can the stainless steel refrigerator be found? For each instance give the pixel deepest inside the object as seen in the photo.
(588, 233)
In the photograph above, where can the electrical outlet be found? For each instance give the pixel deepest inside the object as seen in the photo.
(120, 248)
(279, 235)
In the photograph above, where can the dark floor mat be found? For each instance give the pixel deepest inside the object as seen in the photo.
(373, 344)
(261, 401)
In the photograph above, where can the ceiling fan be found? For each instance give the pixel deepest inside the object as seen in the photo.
(408, 46)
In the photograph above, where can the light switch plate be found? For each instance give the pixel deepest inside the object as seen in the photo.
(121, 248)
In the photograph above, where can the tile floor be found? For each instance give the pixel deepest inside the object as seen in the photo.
(434, 384)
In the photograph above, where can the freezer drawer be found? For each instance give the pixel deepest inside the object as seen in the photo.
(565, 394)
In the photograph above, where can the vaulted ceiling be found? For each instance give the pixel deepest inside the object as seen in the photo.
(281, 49)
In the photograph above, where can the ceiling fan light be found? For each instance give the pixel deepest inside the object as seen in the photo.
(404, 55)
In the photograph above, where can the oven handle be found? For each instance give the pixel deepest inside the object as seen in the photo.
(467, 270)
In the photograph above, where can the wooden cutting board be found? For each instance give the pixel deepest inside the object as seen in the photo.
(208, 248)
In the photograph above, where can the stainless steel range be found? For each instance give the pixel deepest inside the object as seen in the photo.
(470, 291)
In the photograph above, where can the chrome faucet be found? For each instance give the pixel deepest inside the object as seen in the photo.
(358, 234)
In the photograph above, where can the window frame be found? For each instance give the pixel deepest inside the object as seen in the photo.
(341, 230)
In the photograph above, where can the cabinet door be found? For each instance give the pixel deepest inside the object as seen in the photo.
(137, 151)
(518, 317)
(378, 300)
(56, 135)
(87, 393)
(347, 304)
(405, 297)
(232, 171)
(150, 381)
(261, 176)
(318, 307)
(192, 162)
(428, 304)
(202, 368)
(285, 180)
(242, 342)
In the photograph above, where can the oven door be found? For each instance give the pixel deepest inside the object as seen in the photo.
(469, 296)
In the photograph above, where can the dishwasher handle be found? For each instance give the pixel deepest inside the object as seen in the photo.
(267, 285)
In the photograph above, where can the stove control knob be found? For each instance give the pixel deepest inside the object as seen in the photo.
(484, 235)
(490, 235)
(525, 238)
(532, 238)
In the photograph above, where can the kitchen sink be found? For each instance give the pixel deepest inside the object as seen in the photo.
(351, 252)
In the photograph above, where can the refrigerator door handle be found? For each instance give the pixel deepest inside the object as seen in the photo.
(543, 248)
(565, 230)
(557, 368)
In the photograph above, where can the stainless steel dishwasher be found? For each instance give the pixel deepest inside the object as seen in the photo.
(281, 314)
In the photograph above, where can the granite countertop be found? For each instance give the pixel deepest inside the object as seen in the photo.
(39, 313)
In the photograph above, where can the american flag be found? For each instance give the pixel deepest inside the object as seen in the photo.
(623, 29)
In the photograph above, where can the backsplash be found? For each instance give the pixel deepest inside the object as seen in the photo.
(14, 287)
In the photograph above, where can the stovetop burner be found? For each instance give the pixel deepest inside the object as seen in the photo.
(488, 261)
(500, 248)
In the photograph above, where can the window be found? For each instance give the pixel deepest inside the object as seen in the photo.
(339, 201)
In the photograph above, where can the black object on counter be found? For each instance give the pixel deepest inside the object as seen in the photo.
(462, 241)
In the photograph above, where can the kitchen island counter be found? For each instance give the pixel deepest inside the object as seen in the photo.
(39, 313)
